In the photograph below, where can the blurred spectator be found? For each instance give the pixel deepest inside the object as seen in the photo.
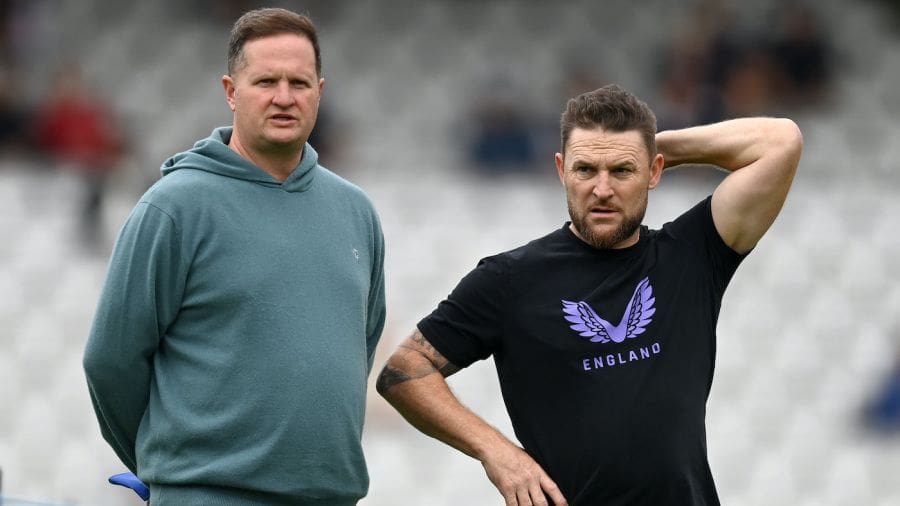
(222, 12)
(322, 136)
(716, 69)
(683, 83)
(12, 115)
(697, 63)
(503, 142)
(893, 9)
(882, 414)
(79, 131)
(579, 80)
(748, 85)
(502, 138)
(6, 10)
(803, 56)
(579, 75)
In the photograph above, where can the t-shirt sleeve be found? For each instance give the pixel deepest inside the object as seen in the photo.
(467, 326)
(697, 228)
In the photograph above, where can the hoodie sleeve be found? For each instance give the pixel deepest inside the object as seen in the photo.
(376, 308)
(140, 298)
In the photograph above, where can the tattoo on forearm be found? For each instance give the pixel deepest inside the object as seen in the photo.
(418, 342)
(448, 369)
(389, 377)
(419, 346)
(423, 343)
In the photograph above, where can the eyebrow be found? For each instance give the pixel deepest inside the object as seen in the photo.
(275, 74)
(622, 162)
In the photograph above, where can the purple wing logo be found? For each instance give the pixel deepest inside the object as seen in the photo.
(637, 316)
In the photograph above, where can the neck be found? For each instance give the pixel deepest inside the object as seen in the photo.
(277, 163)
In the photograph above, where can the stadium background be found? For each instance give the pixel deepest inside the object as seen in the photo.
(808, 329)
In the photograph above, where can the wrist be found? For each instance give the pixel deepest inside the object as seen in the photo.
(670, 148)
(488, 444)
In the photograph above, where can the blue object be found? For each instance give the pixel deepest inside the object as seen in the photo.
(882, 413)
(131, 481)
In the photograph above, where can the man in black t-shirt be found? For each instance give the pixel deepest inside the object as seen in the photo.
(603, 332)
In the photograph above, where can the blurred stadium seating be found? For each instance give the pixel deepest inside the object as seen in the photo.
(808, 327)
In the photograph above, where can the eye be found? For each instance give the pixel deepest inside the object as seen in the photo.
(300, 84)
(623, 171)
(583, 171)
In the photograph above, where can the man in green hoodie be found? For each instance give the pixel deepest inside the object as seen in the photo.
(231, 346)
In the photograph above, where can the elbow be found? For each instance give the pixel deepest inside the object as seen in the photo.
(379, 384)
(402, 367)
(102, 368)
(792, 133)
(99, 374)
(387, 378)
(92, 366)
(790, 137)
(99, 364)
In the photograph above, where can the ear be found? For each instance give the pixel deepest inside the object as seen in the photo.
(656, 170)
(228, 84)
(560, 168)
(321, 89)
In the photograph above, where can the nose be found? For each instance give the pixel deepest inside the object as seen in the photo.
(282, 97)
(602, 188)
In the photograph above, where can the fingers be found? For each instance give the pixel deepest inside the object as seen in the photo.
(549, 486)
(523, 497)
(520, 480)
(537, 495)
(533, 492)
(522, 493)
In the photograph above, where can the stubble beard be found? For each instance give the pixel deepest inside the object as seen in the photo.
(630, 223)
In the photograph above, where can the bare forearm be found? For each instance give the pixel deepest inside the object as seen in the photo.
(731, 144)
(428, 404)
(413, 382)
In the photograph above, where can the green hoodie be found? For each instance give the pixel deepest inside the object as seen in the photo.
(230, 350)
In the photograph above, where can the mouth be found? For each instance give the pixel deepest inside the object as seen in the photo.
(603, 212)
(282, 119)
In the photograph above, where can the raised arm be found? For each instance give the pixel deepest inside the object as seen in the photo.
(413, 382)
(762, 155)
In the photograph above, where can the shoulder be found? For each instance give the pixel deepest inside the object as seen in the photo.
(691, 225)
(525, 256)
(338, 184)
(695, 233)
(178, 187)
(338, 187)
(552, 244)
(179, 195)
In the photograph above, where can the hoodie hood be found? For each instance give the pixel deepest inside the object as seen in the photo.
(213, 155)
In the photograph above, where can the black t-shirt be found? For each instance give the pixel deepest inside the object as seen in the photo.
(605, 357)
